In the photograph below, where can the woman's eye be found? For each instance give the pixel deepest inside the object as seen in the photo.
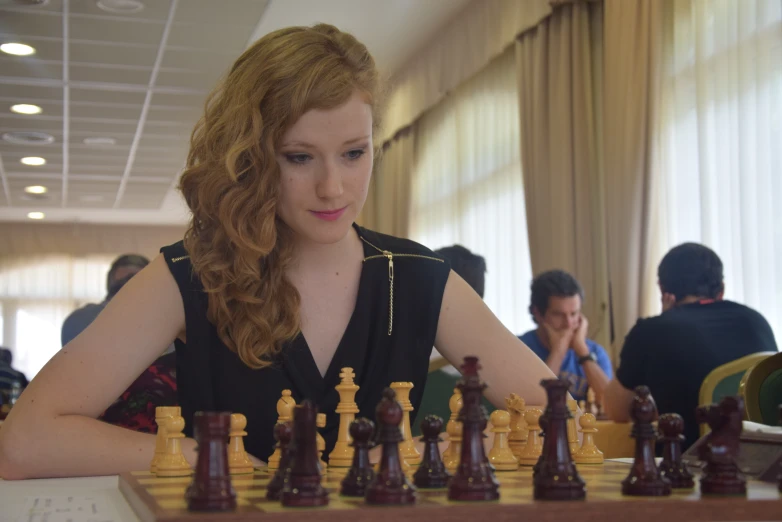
(355, 154)
(298, 159)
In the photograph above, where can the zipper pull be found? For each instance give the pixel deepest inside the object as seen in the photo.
(390, 257)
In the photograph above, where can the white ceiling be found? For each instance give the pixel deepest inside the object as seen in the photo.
(141, 79)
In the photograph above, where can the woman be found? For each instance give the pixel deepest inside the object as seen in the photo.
(273, 287)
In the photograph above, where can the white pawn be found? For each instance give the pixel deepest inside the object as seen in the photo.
(532, 451)
(284, 414)
(572, 433)
(238, 461)
(500, 454)
(588, 453)
(320, 422)
(173, 463)
(452, 454)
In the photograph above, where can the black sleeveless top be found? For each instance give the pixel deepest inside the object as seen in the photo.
(389, 338)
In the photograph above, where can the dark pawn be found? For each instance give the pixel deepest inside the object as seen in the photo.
(390, 486)
(644, 479)
(361, 472)
(474, 478)
(211, 488)
(302, 483)
(672, 467)
(282, 434)
(431, 473)
(555, 475)
(720, 450)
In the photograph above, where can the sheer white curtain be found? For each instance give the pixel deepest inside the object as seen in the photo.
(467, 185)
(36, 295)
(720, 147)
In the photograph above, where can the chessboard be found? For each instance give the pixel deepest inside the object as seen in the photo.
(157, 499)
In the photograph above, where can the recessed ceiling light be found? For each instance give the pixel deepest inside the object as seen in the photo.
(36, 189)
(120, 6)
(99, 140)
(36, 215)
(34, 161)
(28, 138)
(18, 49)
(26, 108)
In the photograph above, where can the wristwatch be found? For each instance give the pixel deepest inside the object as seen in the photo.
(589, 357)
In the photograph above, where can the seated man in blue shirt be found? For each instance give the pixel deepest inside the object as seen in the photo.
(560, 338)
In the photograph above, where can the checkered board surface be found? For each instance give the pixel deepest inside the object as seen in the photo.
(162, 499)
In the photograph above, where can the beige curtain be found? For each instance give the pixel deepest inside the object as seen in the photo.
(562, 183)
(467, 185)
(632, 57)
(387, 209)
(20, 240)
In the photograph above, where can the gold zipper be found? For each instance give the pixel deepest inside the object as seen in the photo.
(390, 256)
(178, 259)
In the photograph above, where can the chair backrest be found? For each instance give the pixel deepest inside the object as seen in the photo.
(438, 391)
(761, 388)
(724, 380)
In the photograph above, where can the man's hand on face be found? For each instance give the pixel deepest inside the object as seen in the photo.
(559, 340)
(580, 336)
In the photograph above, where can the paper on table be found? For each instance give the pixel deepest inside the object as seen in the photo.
(73, 508)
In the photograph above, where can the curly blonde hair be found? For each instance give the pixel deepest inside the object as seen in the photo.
(238, 246)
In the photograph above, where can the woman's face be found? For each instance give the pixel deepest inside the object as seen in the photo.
(325, 163)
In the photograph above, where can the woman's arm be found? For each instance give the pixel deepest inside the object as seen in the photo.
(468, 327)
(52, 430)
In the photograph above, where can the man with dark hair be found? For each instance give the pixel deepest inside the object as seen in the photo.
(470, 267)
(697, 332)
(8, 375)
(122, 269)
(561, 336)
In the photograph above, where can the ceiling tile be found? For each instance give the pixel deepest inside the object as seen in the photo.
(200, 60)
(179, 100)
(54, 6)
(30, 92)
(185, 116)
(154, 10)
(107, 74)
(141, 56)
(77, 140)
(116, 31)
(45, 48)
(30, 68)
(107, 96)
(106, 111)
(11, 123)
(242, 13)
(102, 128)
(208, 36)
(95, 170)
(188, 79)
(48, 108)
(31, 23)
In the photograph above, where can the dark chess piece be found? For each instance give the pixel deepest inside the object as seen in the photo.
(474, 478)
(555, 476)
(282, 434)
(361, 472)
(672, 425)
(431, 473)
(302, 483)
(211, 488)
(644, 479)
(780, 423)
(390, 485)
(720, 450)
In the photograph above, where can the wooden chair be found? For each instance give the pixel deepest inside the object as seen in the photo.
(761, 388)
(724, 380)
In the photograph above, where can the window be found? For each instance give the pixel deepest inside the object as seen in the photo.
(467, 185)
